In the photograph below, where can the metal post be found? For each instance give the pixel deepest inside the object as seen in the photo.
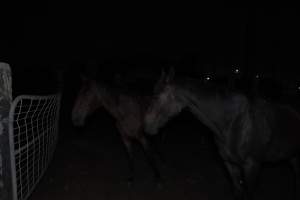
(5, 103)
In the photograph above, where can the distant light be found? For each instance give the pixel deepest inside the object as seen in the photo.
(257, 76)
(236, 71)
(298, 87)
(207, 78)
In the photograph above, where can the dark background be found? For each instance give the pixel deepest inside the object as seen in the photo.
(45, 34)
(41, 39)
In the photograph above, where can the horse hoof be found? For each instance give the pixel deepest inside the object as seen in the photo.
(159, 184)
(129, 182)
(239, 196)
(164, 165)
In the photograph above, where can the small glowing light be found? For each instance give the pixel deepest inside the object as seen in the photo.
(207, 78)
(257, 76)
(236, 71)
(298, 87)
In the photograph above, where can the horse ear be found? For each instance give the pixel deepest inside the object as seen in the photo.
(83, 77)
(161, 80)
(117, 79)
(171, 75)
(59, 76)
(162, 77)
(91, 68)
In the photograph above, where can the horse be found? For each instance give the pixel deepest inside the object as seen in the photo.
(248, 132)
(126, 108)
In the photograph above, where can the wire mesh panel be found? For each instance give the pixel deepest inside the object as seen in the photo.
(33, 136)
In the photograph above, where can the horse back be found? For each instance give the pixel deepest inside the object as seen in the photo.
(264, 132)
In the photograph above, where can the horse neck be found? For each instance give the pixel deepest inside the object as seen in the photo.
(108, 98)
(208, 108)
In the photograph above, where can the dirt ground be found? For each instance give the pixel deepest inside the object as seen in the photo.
(91, 164)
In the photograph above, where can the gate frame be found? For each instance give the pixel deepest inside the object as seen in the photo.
(5, 103)
(11, 139)
(8, 179)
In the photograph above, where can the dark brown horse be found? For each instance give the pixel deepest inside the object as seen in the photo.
(128, 111)
(247, 132)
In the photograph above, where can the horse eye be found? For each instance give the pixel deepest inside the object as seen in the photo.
(236, 71)
(157, 97)
(207, 78)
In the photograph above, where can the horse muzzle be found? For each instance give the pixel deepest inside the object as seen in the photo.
(77, 122)
(151, 130)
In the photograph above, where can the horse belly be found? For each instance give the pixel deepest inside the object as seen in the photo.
(285, 140)
(132, 126)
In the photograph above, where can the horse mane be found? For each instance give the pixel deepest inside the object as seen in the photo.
(134, 88)
(116, 91)
(210, 89)
(223, 90)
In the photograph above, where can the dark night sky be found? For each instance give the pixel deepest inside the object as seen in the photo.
(81, 30)
(49, 33)
(36, 36)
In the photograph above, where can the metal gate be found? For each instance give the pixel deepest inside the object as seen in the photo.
(33, 133)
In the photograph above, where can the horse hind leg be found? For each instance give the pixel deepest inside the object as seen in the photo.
(295, 164)
(150, 158)
(128, 145)
(129, 152)
(158, 144)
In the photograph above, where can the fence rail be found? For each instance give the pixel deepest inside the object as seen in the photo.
(33, 133)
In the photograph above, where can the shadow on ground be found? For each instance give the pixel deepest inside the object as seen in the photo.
(91, 164)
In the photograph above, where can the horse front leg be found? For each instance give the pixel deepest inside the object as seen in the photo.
(128, 145)
(158, 145)
(150, 158)
(129, 152)
(295, 163)
(235, 173)
(251, 170)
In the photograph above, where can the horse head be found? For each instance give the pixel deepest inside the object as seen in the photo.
(86, 101)
(164, 104)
